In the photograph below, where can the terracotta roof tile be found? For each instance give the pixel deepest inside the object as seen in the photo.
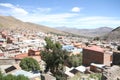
(21, 56)
(95, 48)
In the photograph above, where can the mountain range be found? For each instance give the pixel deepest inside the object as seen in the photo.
(87, 32)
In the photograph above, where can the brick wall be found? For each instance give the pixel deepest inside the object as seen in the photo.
(90, 56)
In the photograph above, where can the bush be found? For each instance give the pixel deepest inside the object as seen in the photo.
(75, 60)
(12, 77)
(29, 64)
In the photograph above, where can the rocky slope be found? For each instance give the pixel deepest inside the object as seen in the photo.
(114, 35)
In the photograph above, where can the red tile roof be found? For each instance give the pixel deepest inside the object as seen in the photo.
(21, 56)
(95, 48)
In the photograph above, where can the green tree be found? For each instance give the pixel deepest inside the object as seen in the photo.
(49, 43)
(55, 58)
(12, 77)
(21, 77)
(96, 76)
(75, 60)
(97, 38)
(9, 77)
(1, 76)
(29, 64)
(57, 45)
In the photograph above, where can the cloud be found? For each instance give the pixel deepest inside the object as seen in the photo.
(7, 5)
(44, 16)
(44, 9)
(76, 9)
(48, 18)
(14, 10)
(96, 21)
(74, 20)
(20, 11)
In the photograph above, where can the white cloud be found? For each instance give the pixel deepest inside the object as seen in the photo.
(20, 11)
(6, 5)
(14, 9)
(59, 19)
(49, 18)
(96, 21)
(44, 9)
(76, 9)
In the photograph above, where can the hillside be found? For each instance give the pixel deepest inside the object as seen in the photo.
(87, 32)
(114, 35)
(10, 22)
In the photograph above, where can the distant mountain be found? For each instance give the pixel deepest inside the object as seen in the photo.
(87, 32)
(10, 22)
(114, 35)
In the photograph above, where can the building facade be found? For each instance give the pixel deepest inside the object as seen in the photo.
(95, 54)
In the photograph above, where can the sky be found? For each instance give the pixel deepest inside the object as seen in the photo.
(65, 13)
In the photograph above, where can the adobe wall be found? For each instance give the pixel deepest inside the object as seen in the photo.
(90, 56)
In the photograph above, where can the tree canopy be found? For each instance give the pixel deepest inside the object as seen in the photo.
(55, 58)
(75, 60)
(29, 64)
(97, 38)
(12, 77)
(51, 45)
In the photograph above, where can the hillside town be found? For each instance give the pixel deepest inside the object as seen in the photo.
(59, 39)
(98, 56)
